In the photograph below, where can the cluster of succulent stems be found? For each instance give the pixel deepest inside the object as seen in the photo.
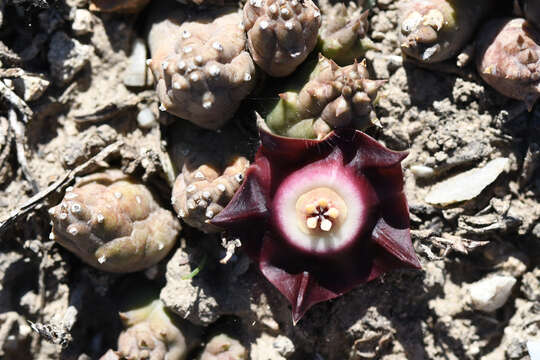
(316, 196)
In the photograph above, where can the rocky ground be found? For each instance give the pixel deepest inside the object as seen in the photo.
(477, 297)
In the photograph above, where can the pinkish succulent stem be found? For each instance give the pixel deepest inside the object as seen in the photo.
(281, 33)
(200, 64)
(343, 34)
(113, 223)
(223, 347)
(200, 194)
(508, 58)
(151, 333)
(334, 97)
(436, 30)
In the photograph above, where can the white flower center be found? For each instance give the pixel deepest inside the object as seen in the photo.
(321, 209)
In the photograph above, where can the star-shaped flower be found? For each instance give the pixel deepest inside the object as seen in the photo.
(322, 216)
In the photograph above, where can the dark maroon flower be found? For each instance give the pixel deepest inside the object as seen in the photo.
(322, 216)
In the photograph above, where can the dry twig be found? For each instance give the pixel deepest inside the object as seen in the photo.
(7, 94)
(19, 131)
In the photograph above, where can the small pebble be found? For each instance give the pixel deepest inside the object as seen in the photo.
(135, 74)
(82, 22)
(146, 118)
(491, 293)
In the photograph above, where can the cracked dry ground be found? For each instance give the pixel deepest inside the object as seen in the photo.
(85, 118)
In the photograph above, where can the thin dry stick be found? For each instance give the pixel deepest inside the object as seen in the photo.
(6, 150)
(7, 94)
(19, 133)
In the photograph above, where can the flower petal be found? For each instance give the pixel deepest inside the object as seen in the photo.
(246, 214)
(284, 149)
(363, 151)
(252, 198)
(368, 153)
(302, 289)
(397, 242)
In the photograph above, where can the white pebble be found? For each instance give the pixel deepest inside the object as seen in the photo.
(146, 118)
(422, 171)
(491, 293)
(533, 347)
(82, 22)
(136, 73)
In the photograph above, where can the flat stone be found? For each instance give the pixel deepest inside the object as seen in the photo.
(491, 293)
(467, 185)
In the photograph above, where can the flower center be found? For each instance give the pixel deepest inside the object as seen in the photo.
(320, 210)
